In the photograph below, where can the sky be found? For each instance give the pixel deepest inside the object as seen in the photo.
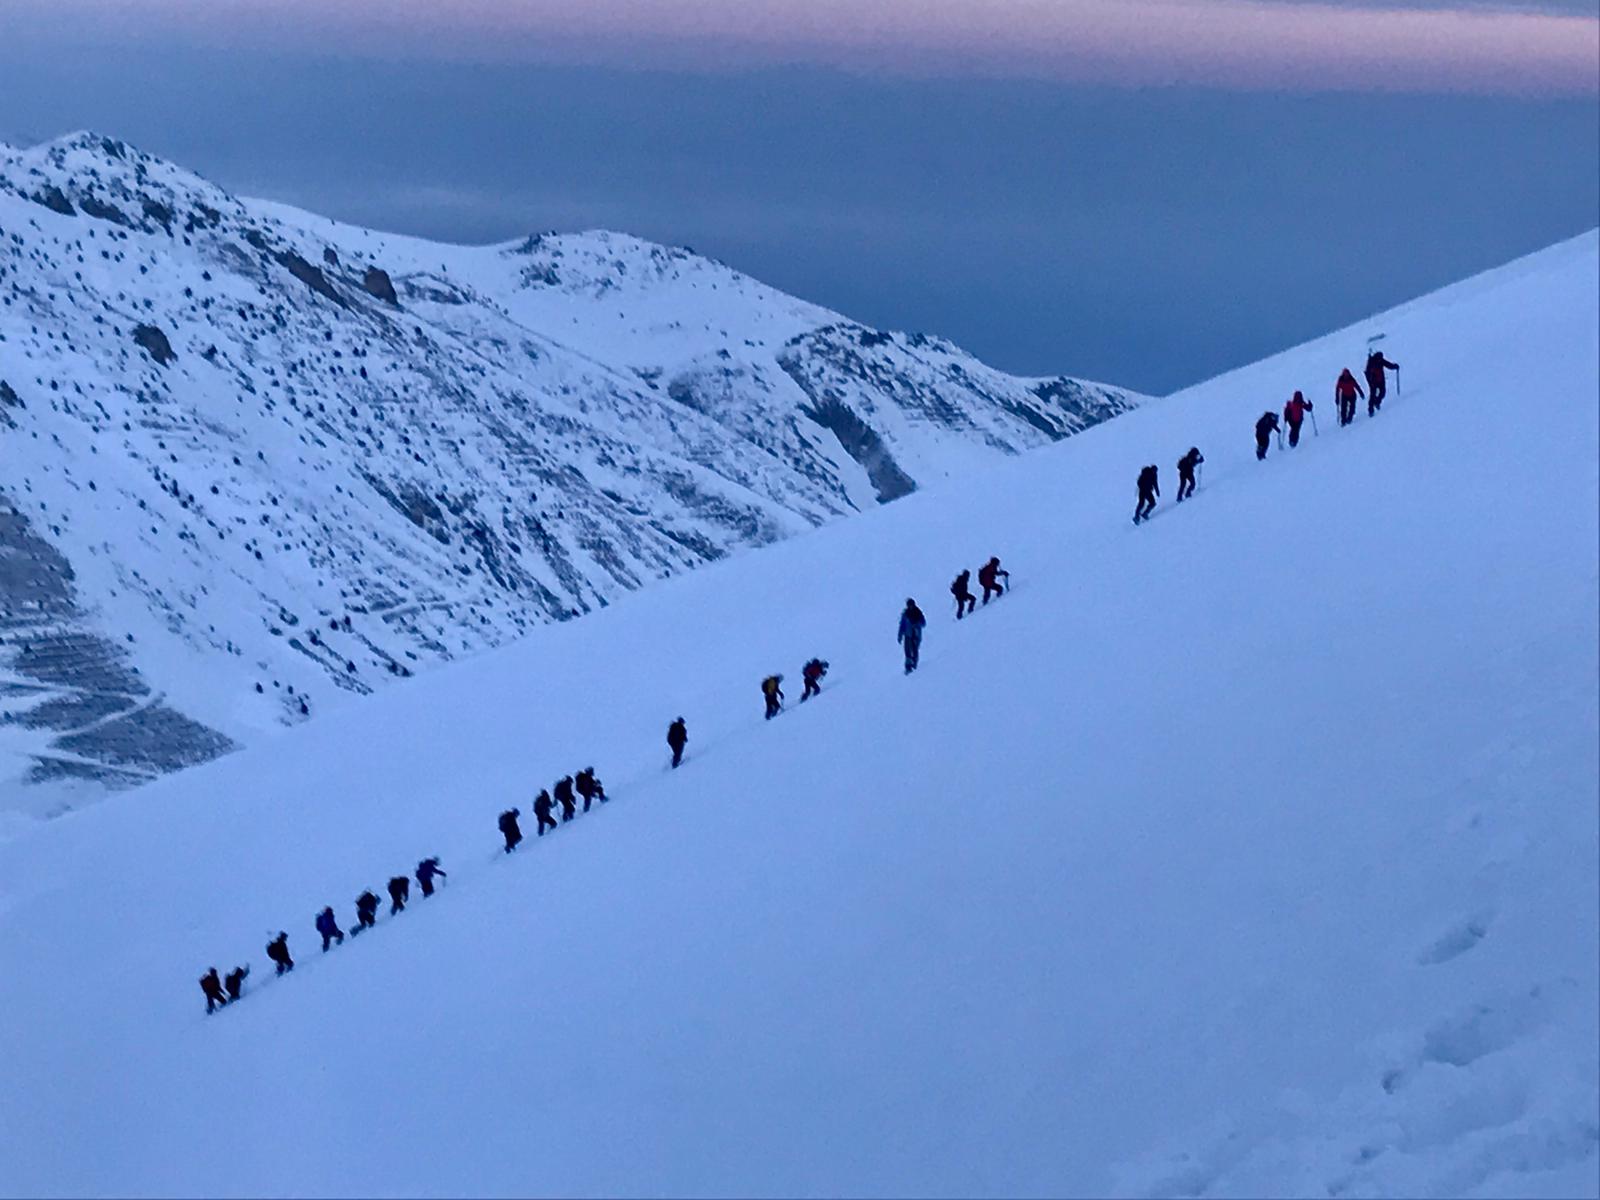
(1142, 191)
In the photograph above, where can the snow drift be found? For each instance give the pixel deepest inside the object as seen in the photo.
(1252, 851)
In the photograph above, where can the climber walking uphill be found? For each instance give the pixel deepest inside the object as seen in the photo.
(233, 981)
(1149, 488)
(278, 952)
(328, 927)
(1265, 428)
(1345, 392)
(912, 623)
(1377, 384)
(1186, 466)
(509, 829)
(812, 673)
(961, 589)
(399, 893)
(589, 787)
(366, 912)
(989, 575)
(1294, 416)
(772, 691)
(211, 985)
(427, 869)
(542, 804)
(677, 739)
(563, 791)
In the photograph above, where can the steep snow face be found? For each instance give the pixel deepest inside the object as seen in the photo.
(255, 459)
(1248, 852)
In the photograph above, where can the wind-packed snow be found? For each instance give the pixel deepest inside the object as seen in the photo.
(253, 461)
(1250, 852)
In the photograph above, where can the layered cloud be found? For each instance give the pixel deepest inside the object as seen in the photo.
(1548, 47)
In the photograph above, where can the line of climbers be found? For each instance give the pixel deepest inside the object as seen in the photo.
(226, 990)
(221, 990)
(771, 693)
(1345, 392)
(585, 783)
(988, 576)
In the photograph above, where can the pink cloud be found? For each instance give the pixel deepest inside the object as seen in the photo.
(1244, 44)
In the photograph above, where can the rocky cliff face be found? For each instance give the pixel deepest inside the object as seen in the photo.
(251, 459)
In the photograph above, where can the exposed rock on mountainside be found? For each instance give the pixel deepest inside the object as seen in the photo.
(263, 482)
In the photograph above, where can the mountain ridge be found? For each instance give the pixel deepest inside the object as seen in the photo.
(318, 458)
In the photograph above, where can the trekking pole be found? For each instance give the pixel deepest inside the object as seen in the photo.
(1397, 381)
(1313, 413)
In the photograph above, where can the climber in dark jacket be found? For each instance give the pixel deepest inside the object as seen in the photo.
(366, 912)
(1377, 383)
(427, 869)
(278, 952)
(677, 739)
(399, 893)
(329, 929)
(211, 985)
(1186, 466)
(1149, 488)
(509, 828)
(961, 589)
(589, 787)
(542, 805)
(1265, 428)
(912, 623)
(564, 797)
(233, 981)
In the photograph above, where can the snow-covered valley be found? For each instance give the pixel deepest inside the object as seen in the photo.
(1248, 852)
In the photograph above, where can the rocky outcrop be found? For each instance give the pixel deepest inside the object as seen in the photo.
(333, 493)
(153, 342)
(377, 283)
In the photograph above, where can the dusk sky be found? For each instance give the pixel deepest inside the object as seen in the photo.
(1145, 191)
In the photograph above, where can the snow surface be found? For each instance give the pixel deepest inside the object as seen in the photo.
(368, 454)
(1250, 852)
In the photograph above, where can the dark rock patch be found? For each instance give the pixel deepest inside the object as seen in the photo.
(377, 283)
(154, 343)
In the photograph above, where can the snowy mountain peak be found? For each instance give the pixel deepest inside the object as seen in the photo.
(256, 459)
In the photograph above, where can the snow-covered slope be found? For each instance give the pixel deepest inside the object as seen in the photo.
(254, 459)
(1250, 852)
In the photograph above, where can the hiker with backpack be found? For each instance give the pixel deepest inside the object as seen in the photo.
(989, 576)
(961, 589)
(1265, 428)
(1149, 485)
(1345, 392)
(1186, 469)
(1377, 384)
(812, 674)
(772, 692)
(912, 623)
(1294, 415)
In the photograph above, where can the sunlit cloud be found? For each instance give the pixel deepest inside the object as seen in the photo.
(1299, 45)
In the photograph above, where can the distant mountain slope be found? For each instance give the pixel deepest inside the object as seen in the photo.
(253, 458)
